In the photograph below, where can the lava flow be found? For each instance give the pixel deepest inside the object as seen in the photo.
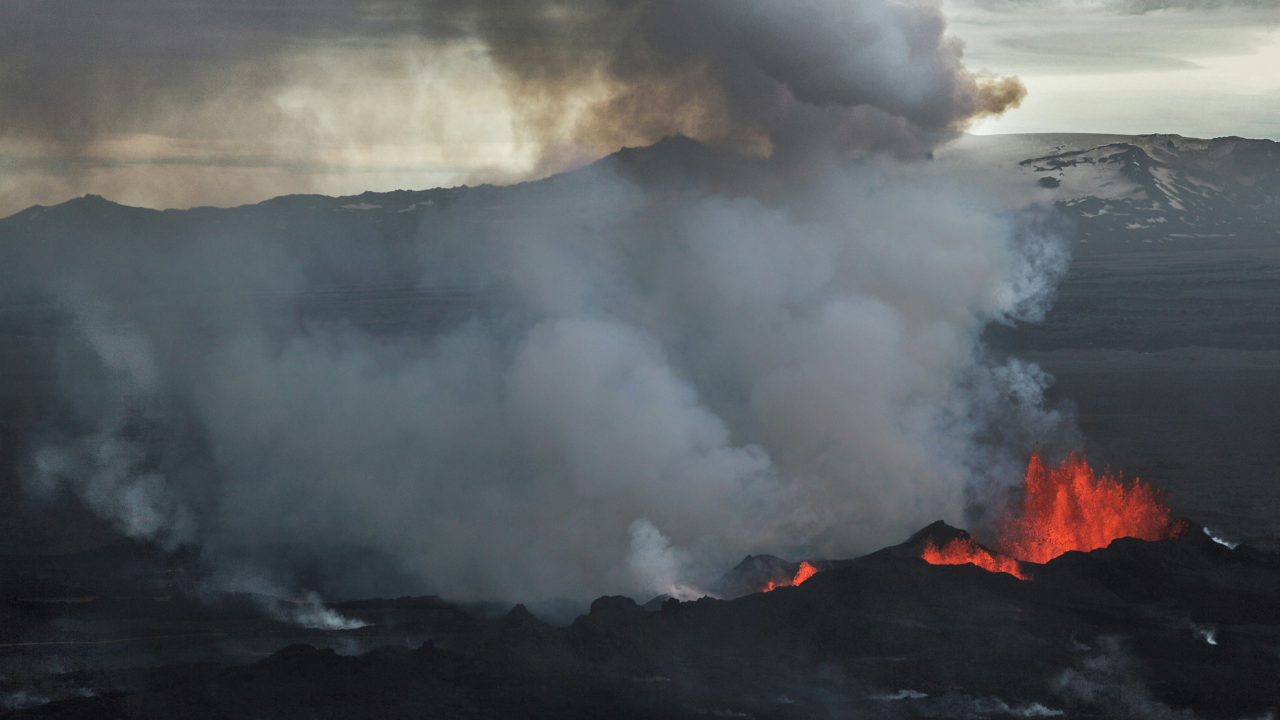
(1069, 507)
(805, 572)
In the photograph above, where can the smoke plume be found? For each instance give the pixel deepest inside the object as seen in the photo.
(226, 90)
(777, 78)
(621, 382)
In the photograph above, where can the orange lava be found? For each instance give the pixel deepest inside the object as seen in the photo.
(964, 551)
(806, 571)
(1069, 507)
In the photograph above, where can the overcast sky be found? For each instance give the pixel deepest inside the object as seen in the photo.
(1197, 67)
(164, 104)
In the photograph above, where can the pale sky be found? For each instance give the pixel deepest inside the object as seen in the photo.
(160, 105)
(1204, 70)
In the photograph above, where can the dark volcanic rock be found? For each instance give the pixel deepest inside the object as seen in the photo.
(753, 573)
(938, 534)
(1137, 629)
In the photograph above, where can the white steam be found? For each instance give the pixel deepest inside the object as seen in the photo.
(311, 612)
(306, 609)
(656, 564)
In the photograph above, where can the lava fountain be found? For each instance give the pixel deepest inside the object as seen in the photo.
(1069, 507)
(806, 571)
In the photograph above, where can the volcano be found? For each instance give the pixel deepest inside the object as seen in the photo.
(1133, 614)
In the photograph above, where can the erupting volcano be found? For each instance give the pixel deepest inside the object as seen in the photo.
(1069, 507)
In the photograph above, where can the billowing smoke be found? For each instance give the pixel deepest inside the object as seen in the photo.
(639, 388)
(775, 77)
(623, 381)
(217, 102)
(751, 73)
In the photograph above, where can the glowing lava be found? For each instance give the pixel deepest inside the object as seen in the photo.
(962, 551)
(1069, 507)
(1072, 508)
(806, 571)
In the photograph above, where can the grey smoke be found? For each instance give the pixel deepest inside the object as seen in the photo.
(867, 73)
(647, 387)
(644, 382)
(785, 78)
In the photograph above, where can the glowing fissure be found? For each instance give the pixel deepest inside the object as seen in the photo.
(1069, 507)
(965, 551)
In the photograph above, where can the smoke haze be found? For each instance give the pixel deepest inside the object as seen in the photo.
(625, 381)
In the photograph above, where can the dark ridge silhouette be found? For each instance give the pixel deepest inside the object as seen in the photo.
(1134, 629)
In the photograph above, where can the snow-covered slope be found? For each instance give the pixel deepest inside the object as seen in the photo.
(1127, 192)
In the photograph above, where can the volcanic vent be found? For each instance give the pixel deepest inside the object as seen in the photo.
(765, 573)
